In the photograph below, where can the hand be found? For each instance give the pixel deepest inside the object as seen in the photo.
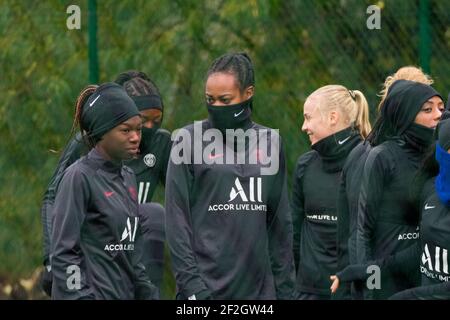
(335, 284)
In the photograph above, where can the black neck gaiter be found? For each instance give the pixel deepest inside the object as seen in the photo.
(419, 137)
(236, 116)
(146, 138)
(335, 148)
(151, 101)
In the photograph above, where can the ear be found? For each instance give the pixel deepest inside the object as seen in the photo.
(333, 118)
(248, 93)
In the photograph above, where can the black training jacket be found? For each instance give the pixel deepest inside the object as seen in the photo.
(228, 227)
(314, 210)
(435, 246)
(388, 216)
(96, 242)
(150, 168)
(429, 256)
(348, 196)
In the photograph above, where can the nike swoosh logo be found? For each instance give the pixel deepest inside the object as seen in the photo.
(427, 207)
(109, 193)
(343, 141)
(92, 103)
(237, 114)
(211, 157)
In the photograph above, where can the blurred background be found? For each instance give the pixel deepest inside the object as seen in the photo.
(297, 46)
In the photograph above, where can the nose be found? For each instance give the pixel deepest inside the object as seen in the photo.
(148, 124)
(135, 136)
(304, 126)
(437, 114)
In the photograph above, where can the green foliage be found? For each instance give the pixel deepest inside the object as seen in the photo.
(296, 46)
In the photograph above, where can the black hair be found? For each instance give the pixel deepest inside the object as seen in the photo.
(381, 131)
(137, 83)
(238, 64)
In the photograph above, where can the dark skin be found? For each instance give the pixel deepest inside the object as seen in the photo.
(222, 89)
(121, 142)
(151, 117)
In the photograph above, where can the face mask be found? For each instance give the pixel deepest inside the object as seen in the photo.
(442, 181)
(236, 116)
(420, 137)
(146, 138)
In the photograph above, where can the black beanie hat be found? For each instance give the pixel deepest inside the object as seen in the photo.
(444, 131)
(106, 108)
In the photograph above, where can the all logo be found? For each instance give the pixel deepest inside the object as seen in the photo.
(255, 189)
(129, 231)
(128, 235)
(437, 262)
(150, 160)
(242, 200)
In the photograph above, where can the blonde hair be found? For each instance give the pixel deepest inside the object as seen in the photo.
(352, 104)
(411, 73)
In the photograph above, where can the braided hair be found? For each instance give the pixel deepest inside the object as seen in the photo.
(237, 64)
(81, 100)
(137, 83)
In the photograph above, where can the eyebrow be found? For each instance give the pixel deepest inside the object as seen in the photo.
(431, 101)
(127, 125)
(151, 116)
(221, 96)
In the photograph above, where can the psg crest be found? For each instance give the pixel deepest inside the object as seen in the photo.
(150, 160)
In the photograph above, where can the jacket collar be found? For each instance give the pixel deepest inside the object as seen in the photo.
(335, 148)
(96, 158)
